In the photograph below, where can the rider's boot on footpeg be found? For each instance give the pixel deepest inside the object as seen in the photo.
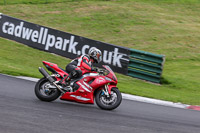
(66, 84)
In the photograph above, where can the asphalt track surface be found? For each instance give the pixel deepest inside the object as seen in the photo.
(22, 112)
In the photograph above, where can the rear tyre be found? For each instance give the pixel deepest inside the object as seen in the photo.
(46, 91)
(108, 103)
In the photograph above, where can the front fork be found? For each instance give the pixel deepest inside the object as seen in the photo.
(106, 91)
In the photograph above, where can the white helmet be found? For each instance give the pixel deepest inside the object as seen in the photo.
(95, 54)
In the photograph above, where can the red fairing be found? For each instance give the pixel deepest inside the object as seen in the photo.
(111, 75)
(79, 96)
(84, 94)
(99, 81)
(56, 68)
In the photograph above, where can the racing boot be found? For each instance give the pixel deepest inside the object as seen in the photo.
(66, 84)
(67, 80)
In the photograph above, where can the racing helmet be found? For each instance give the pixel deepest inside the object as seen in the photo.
(95, 54)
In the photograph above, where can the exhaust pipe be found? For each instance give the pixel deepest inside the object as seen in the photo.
(51, 80)
(46, 74)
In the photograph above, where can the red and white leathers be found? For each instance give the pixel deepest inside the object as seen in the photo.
(79, 66)
(85, 64)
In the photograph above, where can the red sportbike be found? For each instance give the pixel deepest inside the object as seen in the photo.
(100, 85)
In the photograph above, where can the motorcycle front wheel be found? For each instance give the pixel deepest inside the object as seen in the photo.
(111, 102)
(46, 91)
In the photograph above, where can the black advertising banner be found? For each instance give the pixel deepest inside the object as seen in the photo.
(62, 43)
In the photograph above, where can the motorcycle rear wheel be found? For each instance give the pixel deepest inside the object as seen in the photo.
(45, 94)
(111, 102)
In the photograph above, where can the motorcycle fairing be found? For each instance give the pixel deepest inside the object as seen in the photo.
(84, 94)
(55, 68)
(99, 81)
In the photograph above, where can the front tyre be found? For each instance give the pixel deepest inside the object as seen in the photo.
(108, 103)
(46, 91)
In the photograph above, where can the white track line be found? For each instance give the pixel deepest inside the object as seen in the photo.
(28, 78)
(153, 101)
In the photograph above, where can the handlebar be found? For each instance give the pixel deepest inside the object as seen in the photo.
(102, 71)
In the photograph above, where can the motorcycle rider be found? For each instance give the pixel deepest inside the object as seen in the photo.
(83, 64)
